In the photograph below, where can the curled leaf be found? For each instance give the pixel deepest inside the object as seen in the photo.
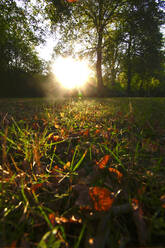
(103, 161)
(118, 173)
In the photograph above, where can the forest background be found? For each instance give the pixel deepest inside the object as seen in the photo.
(122, 39)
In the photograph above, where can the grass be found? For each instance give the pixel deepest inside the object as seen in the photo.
(82, 172)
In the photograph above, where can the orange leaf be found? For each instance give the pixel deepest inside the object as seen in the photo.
(53, 137)
(13, 244)
(118, 173)
(67, 165)
(85, 133)
(101, 198)
(56, 125)
(103, 161)
(72, 1)
(52, 218)
(56, 168)
(36, 186)
(135, 204)
(162, 198)
(97, 131)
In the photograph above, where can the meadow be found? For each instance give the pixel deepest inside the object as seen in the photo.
(82, 172)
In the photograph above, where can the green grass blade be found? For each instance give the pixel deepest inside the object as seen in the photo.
(81, 235)
(80, 161)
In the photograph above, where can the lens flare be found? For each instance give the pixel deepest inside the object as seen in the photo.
(71, 73)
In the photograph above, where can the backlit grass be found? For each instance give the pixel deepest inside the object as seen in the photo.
(82, 172)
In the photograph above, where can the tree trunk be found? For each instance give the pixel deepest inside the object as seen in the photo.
(129, 76)
(112, 77)
(129, 68)
(99, 65)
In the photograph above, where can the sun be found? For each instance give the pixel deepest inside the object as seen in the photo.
(71, 73)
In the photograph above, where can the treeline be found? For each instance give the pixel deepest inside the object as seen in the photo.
(21, 71)
(122, 40)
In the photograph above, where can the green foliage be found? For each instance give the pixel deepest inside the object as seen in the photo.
(117, 36)
(17, 40)
(143, 42)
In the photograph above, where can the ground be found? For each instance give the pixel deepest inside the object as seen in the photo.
(82, 172)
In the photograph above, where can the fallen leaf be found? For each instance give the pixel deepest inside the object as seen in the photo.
(118, 173)
(85, 133)
(13, 244)
(103, 161)
(36, 186)
(53, 137)
(135, 204)
(162, 199)
(101, 197)
(97, 131)
(67, 165)
(52, 218)
(56, 125)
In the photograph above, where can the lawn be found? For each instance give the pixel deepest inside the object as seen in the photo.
(82, 172)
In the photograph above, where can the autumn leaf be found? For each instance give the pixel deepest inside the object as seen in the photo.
(36, 186)
(135, 204)
(118, 173)
(56, 125)
(13, 244)
(85, 133)
(101, 197)
(67, 165)
(56, 168)
(52, 137)
(162, 199)
(97, 131)
(71, 1)
(103, 161)
(52, 218)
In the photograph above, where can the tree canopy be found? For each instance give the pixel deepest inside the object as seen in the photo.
(17, 40)
(120, 36)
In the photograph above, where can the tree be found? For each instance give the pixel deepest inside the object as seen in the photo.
(142, 38)
(17, 40)
(86, 22)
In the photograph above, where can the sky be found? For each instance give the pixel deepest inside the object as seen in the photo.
(45, 51)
